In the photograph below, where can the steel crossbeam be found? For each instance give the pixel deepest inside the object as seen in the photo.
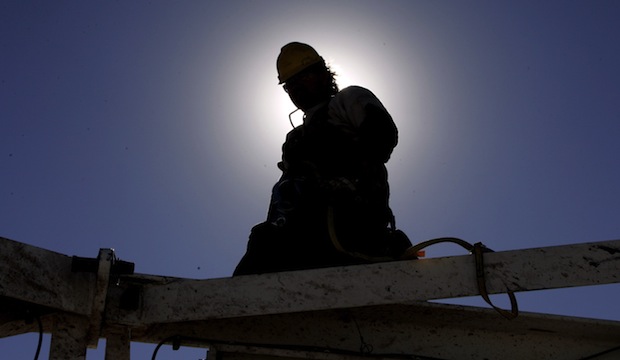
(328, 313)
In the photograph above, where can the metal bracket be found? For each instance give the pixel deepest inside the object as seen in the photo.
(106, 259)
(105, 265)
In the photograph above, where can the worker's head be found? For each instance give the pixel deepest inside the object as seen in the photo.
(305, 76)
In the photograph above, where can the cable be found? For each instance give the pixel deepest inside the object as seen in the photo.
(40, 342)
(157, 349)
(30, 316)
(290, 119)
(365, 348)
(477, 249)
(176, 343)
(594, 356)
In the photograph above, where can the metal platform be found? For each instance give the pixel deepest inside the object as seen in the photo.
(354, 312)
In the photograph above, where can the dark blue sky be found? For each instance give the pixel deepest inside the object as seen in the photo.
(154, 128)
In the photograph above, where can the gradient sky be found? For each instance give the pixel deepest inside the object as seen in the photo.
(154, 128)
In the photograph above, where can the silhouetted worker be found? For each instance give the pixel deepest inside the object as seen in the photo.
(330, 207)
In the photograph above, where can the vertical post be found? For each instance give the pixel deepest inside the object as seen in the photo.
(105, 258)
(69, 340)
(212, 353)
(118, 344)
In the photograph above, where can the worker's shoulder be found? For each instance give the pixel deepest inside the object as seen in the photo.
(355, 97)
(354, 91)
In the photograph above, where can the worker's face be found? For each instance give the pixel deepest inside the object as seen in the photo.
(307, 89)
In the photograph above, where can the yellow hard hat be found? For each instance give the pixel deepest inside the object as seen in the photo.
(295, 57)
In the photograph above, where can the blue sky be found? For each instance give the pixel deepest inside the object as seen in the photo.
(154, 128)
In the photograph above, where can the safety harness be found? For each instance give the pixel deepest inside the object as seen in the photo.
(412, 253)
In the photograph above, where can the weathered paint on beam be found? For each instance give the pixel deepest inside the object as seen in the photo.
(118, 343)
(69, 337)
(105, 258)
(437, 331)
(42, 277)
(233, 309)
(174, 300)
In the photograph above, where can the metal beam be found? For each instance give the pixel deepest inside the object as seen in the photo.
(425, 330)
(166, 300)
(118, 343)
(69, 337)
(104, 267)
(303, 314)
(42, 277)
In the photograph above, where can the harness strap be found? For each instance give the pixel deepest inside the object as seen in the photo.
(478, 249)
